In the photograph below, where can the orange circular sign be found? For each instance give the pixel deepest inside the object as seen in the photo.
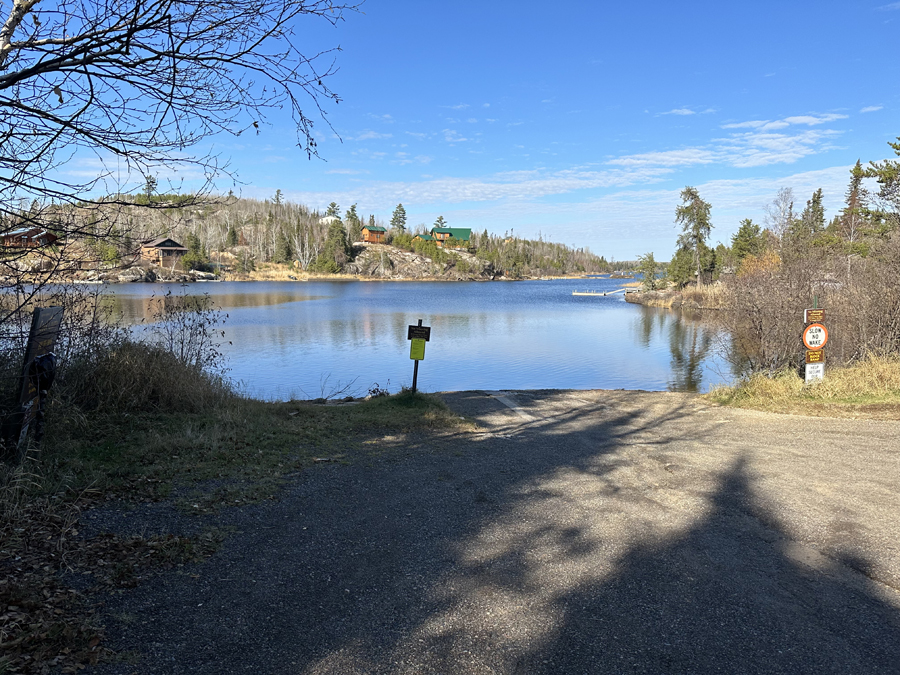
(815, 336)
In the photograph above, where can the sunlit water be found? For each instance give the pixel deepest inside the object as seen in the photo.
(308, 339)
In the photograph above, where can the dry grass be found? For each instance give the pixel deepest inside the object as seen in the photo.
(282, 272)
(869, 388)
(705, 297)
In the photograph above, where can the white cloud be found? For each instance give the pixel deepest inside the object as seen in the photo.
(472, 120)
(346, 172)
(871, 108)
(370, 135)
(458, 106)
(417, 134)
(486, 105)
(453, 136)
(680, 111)
(889, 7)
(771, 125)
(758, 147)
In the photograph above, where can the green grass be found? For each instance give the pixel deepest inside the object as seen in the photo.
(235, 452)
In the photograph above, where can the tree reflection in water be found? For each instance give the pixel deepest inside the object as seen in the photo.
(689, 344)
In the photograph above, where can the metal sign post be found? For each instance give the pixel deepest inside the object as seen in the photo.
(417, 336)
(814, 338)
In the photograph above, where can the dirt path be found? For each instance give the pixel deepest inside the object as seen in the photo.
(575, 532)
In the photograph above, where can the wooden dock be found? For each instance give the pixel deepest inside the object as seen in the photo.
(598, 293)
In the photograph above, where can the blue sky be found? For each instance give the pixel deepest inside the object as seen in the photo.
(583, 121)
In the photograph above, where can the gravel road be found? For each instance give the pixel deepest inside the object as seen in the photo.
(573, 532)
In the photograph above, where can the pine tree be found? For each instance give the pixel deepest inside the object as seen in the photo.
(284, 252)
(440, 222)
(694, 217)
(333, 211)
(398, 220)
(748, 240)
(853, 217)
(231, 239)
(354, 227)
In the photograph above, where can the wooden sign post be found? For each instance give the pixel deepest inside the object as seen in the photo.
(417, 336)
(38, 372)
(815, 337)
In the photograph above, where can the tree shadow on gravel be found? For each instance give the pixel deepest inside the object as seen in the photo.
(577, 541)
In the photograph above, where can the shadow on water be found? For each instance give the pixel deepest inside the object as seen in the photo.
(552, 546)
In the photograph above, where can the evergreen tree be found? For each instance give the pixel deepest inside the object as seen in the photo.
(647, 269)
(853, 215)
(398, 220)
(284, 252)
(681, 271)
(812, 220)
(440, 222)
(748, 240)
(231, 239)
(887, 173)
(333, 210)
(195, 258)
(694, 217)
(278, 199)
(354, 227)
(335, 252)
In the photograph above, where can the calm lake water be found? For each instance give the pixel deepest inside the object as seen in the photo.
(306, 339)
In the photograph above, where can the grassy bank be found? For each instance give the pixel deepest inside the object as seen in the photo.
(867, 389)
(138, 424)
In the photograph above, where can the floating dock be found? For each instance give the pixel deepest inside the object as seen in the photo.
(598, 293)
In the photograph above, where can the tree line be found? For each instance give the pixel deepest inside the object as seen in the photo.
(770, 272)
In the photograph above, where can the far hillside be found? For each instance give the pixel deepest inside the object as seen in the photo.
(243, 237)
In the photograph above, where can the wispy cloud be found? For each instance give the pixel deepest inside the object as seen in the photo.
(889, 7)
(417, 134)
(453, 136)
(346, 172)
(458, 106)
(872, 108)
(370, 135)
(772, 125)
(758, 147)
(679, 111)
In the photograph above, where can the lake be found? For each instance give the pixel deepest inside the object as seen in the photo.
(312, 339)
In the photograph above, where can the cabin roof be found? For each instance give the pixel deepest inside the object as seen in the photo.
(373, 228)
(425, 237)
(158, 243)
(462, 233)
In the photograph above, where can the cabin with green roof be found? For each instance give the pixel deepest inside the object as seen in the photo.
(373, 234)
(443, 234)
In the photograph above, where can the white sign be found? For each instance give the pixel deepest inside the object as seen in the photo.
(814, 371)
(815, 336)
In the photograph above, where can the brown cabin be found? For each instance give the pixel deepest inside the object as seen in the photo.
(28, 237)
(162, 251)
(373, 234)
(460, 235)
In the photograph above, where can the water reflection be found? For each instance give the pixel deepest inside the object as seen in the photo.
(287, 337)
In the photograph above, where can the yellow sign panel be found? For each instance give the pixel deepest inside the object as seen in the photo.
(815, 357)
(417, 350)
